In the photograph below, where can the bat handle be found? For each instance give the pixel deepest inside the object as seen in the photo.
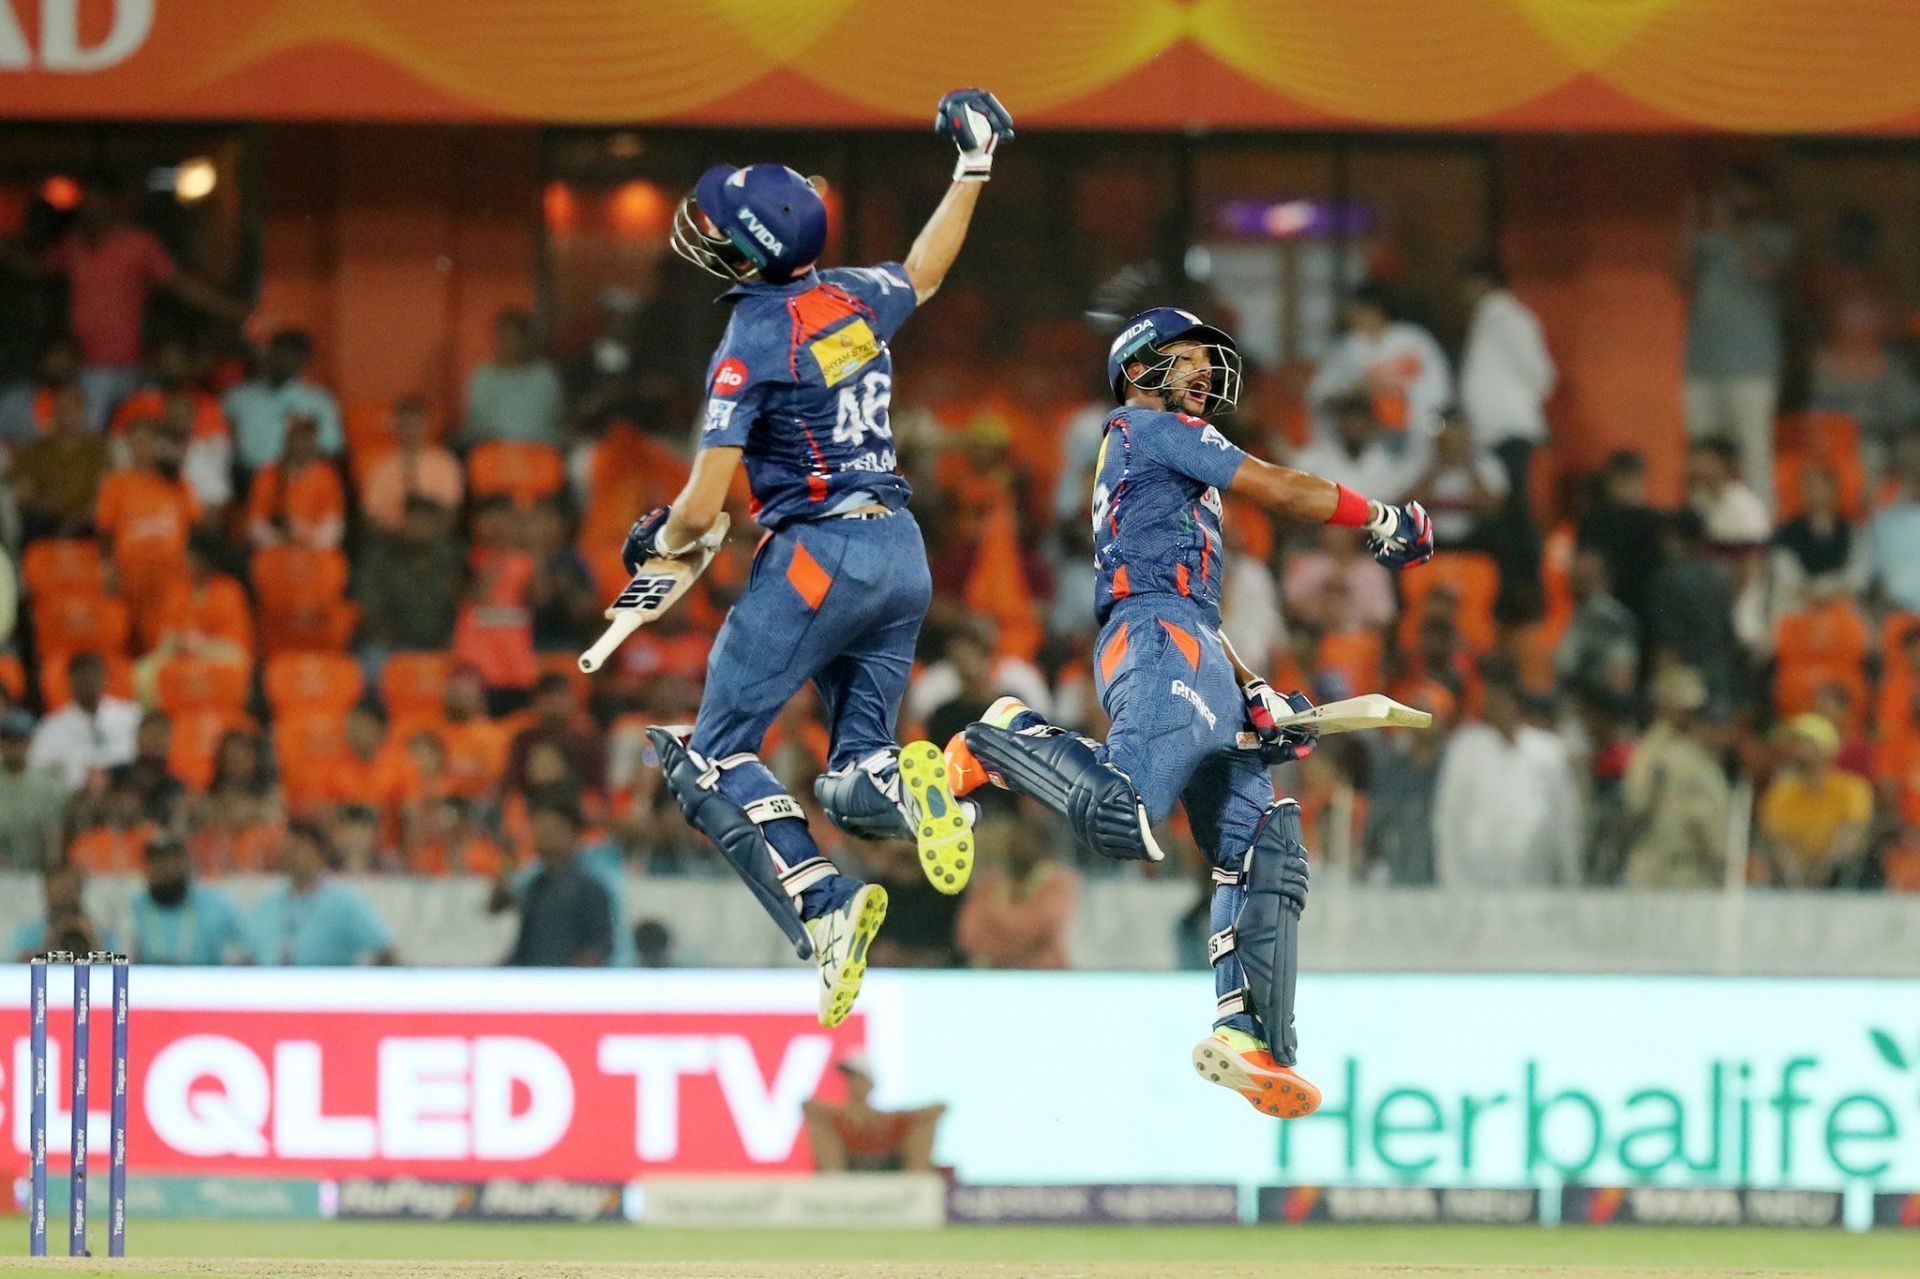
(623, 625)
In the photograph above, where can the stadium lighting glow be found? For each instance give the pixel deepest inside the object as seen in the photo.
(195, 179)
(60, 191)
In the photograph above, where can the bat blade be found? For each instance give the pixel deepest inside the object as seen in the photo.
(655, 588)
(1369, 710)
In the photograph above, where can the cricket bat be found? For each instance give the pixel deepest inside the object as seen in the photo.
(1369, 710)
(655, 588)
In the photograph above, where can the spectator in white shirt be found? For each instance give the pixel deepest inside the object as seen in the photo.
(517, 396)
(1506, 811)
(1735, 517)
(1393, 363)
(90, 734)
(1462, 488)
(1506, 373)
(1359, 455)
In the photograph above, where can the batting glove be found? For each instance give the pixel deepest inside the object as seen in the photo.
(643, 540)
(1265, 707)
(1400, 536)
(975, 122)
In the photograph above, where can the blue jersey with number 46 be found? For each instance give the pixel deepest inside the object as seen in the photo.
(802, 383)
(1156, 508)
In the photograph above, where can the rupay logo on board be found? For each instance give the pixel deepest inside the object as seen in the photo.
(1800, 1118)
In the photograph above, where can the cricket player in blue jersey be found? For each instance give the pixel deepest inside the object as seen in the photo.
(1177, 693)
(799, 391)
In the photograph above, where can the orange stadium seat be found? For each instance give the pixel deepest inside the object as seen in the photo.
(197, 683)
(1831, 635)
(569, 665)
(313, 681)
(302, 604)
(1893, 634)
(80, 623)
(414, 685)
(1789, 482)
(197, 733)
(61, 565)
(56, 690)
(13, 677)
(524, 472)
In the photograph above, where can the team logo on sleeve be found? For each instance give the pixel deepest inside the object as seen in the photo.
(730, 377)
(1210, 434)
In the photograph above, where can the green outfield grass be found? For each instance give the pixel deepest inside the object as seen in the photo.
(1580, 1247)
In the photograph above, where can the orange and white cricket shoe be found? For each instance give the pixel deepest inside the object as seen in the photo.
(1234, 1059)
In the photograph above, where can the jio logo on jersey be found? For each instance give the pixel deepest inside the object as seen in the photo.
(729, 377)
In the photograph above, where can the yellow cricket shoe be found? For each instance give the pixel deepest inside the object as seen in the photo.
(943, 826)
(1234, 1059)
(840, 942)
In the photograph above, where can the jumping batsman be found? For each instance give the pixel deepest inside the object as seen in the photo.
(799, 389)
(1178, 694)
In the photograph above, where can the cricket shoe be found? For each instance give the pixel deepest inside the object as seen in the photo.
(1234, 1059)
(942, 824)
(840, 941)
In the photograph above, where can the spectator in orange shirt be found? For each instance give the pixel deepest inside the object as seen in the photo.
(236, 823)
(494, 630)
(205, 614)
(476, 745)
(451, 841)
(298, 500)
(116, 845)
(1021, 905)
(368, 771)
(420, 777)
(57, 476)
(416, 467)
(171, 393)
(146, 514)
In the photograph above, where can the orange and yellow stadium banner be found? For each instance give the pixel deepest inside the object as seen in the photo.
(1756, 65)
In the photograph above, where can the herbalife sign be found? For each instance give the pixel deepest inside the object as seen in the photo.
(1509, 1081)
(1430, 1080)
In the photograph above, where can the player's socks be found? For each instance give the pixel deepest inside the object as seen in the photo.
(1240, 1061)
(942, 825)
(828, 895)
(841, 938)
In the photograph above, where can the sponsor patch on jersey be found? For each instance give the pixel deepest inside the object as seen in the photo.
(730, 377)
(842, 354)
(1185, 692)
(719, 414)
(1211, 500)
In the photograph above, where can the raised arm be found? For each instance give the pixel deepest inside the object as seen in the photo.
(1397, 536)
(976, 123)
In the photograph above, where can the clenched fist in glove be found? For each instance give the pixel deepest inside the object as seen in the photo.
(1265, 707)
(975, 122)
(1399, 536)
(644, 540)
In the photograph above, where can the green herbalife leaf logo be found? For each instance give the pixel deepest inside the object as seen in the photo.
(1891, 1052)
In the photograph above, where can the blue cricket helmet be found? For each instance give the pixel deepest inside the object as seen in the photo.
(1144, 341)
(768, 221)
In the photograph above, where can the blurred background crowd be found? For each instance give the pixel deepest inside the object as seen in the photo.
(267, 626)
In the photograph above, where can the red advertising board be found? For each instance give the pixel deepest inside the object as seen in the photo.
(584, 1095)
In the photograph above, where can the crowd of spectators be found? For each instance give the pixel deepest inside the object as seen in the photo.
(265, 631)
